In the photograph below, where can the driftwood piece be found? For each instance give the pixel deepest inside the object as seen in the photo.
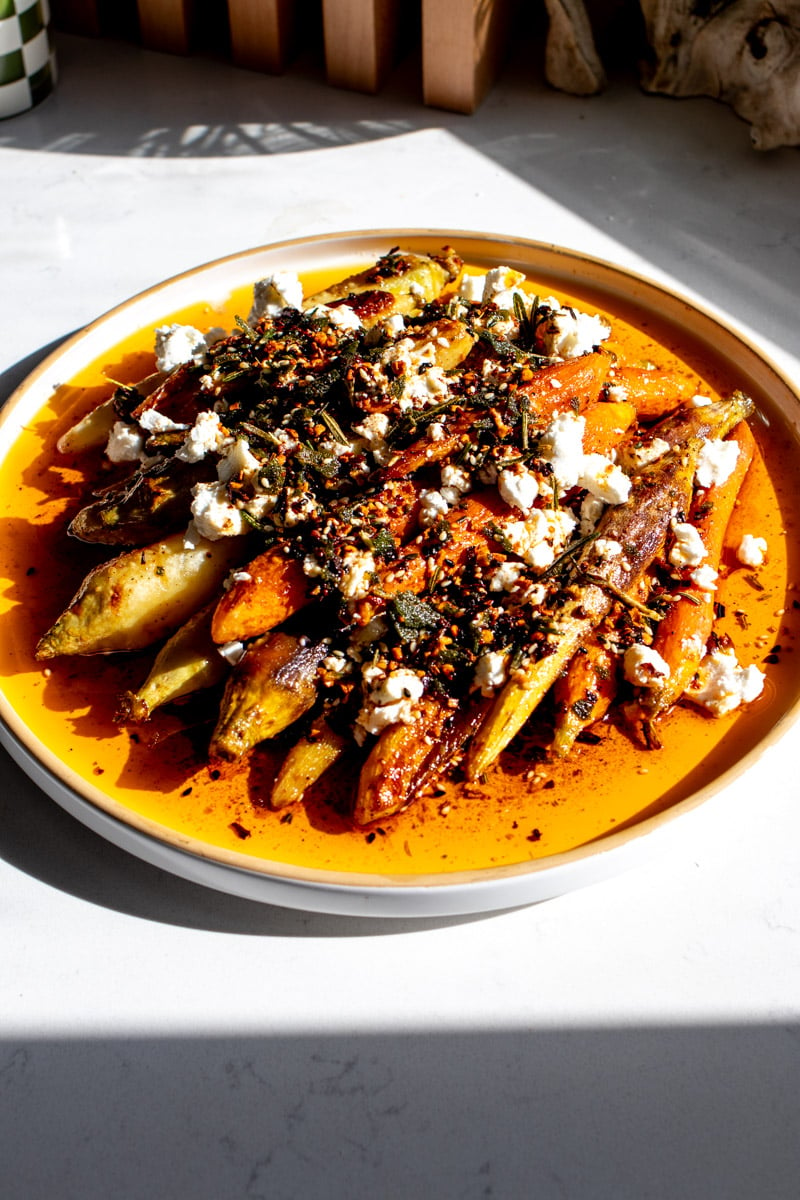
(744, 52)
(571, 61)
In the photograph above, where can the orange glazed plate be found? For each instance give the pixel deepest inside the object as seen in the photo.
(535, 829)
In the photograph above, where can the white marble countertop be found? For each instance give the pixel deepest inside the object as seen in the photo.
(636, 1038)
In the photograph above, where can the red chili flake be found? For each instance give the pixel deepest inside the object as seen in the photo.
(286, 819)
(239, 830)
(534, 836)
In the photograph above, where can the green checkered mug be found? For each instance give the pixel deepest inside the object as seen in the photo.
(27, 61)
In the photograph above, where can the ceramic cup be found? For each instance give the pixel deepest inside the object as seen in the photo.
(27, 61)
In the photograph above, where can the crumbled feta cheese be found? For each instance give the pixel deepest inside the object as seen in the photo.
(617, 392)
(153, 421)
(394, 325)
(562, 446)
(643, 666)
(339, 315)
(373, 431)
(505, 577)
(700, 401)
(312, 567)
(568, 333)
(358, 568)
(300, 507)
(125, 443)
(422, 390)
(178, 344)
(470, 288)
(389, 698)
(274, 292)
(456, 478)
(716, 462)
(607, 548)
(687, 549)
(206, 436)
(604, 479)
(705, 577)
(752, 550)
(518, 486)
(337, 663)
(649, 452)
(491, 672)
(432, 506)
(541, 536)
(238, 462)
(500, 284)
(232, 652)
(213, 514)
(721, 684)
(436, 431)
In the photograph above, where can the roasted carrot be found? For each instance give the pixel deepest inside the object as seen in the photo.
(385, 783)
(573, 385)
(585, 692)
(606, 424)
(653, 394)
(273, 586)
(683, 633)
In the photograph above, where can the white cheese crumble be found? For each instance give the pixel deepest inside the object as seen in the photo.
(518, 486)
(650, 452)
(705, 577)
(432, 506)
(358, 568)
(154, 421)
(213, 514)
(752, 550)
(340, 315)
(700, 401)
(643, 666)
(178, 344)
(562, 447)
(125, 443)
(688, 549)
(505, 577)
(373, 431)
(722, 684)
(591, 511)
(238, 462)
(603, 479)
(716, 462)
(491, 672)
(206, 436)
(274, 292)
(569, 333)
(394, 325)
(470, 288)
(389, 698)
(541, 536)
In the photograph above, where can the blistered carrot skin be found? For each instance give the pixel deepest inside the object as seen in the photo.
(683, 633)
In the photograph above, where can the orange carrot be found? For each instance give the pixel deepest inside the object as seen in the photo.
(654, 394)
(682, 634)
(606, 423)
(274, 586)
